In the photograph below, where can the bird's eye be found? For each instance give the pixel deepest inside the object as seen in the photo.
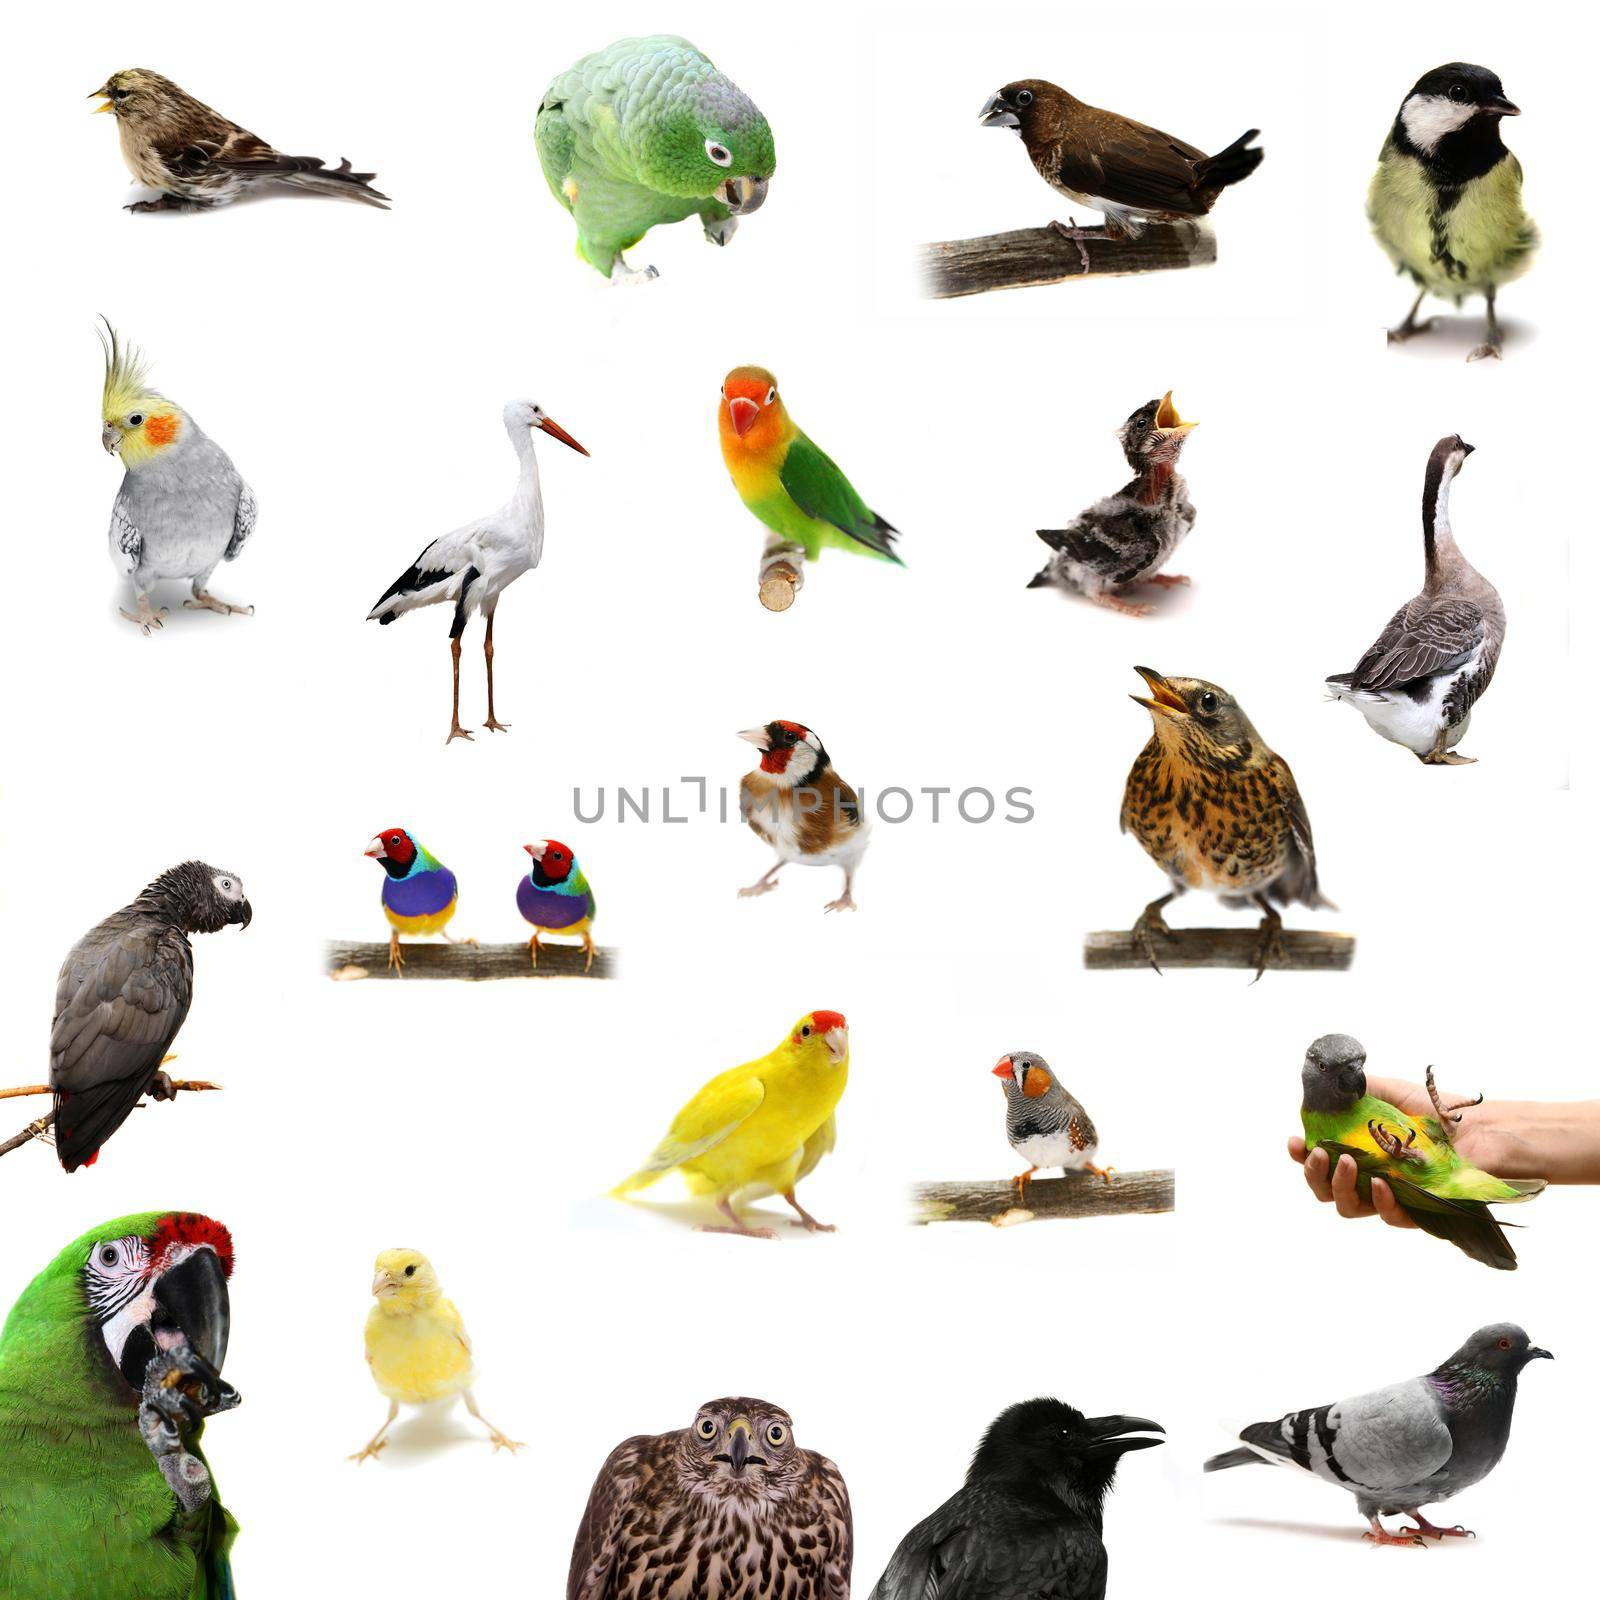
(777, 1433)
(1458, 91)
(108, 1257)
(411, 1271)
(1024, 97)
(119, 94)
(719, 153)
(772, 394)
(1208, 701)
(706, 1428)
(1505, 1344)
(805, 1032)
(136, 419)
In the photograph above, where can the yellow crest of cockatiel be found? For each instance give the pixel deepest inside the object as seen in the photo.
(139, 423)
(761, 1127)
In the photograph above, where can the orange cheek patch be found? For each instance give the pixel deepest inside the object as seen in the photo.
(162, 429)
(1035, 1082)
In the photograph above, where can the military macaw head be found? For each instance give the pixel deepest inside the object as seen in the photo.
(141, 1289)
(552, 862)
(1203, 721)
(790, 752)
(1023, 1073)
(821, 1038)
(707, 139)
(396, 849)
(751, 411)
(137, 423)
(1334, 1075)
(403, 1279)
(1444, 101)
(1154, 433)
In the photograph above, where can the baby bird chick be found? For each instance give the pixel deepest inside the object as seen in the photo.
(1044, 1124)
(1127, 537)
(417, 1345)
(798, 804)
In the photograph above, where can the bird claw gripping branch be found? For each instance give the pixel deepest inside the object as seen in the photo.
(181, 1389)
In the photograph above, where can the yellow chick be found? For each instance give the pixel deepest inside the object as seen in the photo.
(417, 1345)
(760, 1128)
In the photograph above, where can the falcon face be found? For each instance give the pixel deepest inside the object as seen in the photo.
(743, 1450)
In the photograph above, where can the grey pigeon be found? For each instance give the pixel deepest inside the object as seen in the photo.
(1409, 1445)
(122, 995)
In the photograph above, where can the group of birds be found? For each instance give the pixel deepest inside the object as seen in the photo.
(419, 894)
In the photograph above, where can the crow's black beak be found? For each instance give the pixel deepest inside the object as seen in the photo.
(1115, 1436)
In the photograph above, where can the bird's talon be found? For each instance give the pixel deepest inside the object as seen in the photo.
(497, 727)
(458, 732)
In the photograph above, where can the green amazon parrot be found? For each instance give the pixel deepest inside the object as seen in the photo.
(644, 132)
(108, 1369)
(1443, 1194)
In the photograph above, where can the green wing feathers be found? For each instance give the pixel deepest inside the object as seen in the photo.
(814, 482)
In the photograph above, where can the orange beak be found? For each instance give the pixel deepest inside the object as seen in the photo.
(556, 431)
(1167, 701)
(1003, 1069)
(743, 413)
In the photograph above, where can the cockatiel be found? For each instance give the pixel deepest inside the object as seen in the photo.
(109, 1366)
(1216, 809)
(1411, 1444)
(197, 158)
(1126, 538)
(795, 802)
(122, 995)
(419, 892)
(729, 1508)
(1027, 1523)
(760, 1128)
(1446, 201)
(646, 132)
(417, 1346)
(787, 483)
(1443, 1194)
(1044, 1124)
(555, 897)
(1420, 678)
(182, 506)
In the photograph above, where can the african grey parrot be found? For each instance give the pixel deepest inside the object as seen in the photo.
(122, 995)
(1411, 1444)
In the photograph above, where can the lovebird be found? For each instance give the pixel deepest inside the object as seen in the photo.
(760, 1128)
(786, 482)
(644, 132)
(183, 506)
(555, 897)
(417, 1346)
(1441, 1193)
(109, 1366)
(419, 891)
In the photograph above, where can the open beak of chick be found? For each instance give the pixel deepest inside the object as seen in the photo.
(1165, 701)
(556, 431)
(1167, 419)
(997, 114)
(742, 195)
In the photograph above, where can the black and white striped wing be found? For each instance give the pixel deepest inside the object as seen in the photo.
(126, 542)
(244, 521)
(1425, 636)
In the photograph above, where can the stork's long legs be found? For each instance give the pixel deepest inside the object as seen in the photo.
(488, 667)
(456, 730)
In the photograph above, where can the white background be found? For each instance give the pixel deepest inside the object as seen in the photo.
(354, 364)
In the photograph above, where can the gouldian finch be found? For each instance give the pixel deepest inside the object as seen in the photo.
(417, 1346)
(182, 506)
(644, 132)
(787, 482)
(109, 1367)
(197, 158)
(1443, 1194)
(419, 892)
(121, 997)
(555, 897)
(760, 1128)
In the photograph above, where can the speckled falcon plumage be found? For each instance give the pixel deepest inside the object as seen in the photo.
(729, 1508)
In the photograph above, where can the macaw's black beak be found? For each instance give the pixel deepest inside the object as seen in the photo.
(1111, 1435)
(189, 1328)
(242, 914)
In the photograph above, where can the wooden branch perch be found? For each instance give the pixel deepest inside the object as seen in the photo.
(782, 574)
(1077, 1194)
(472, 962)
(41, 1125)
(1304, 950)
(1033, 256)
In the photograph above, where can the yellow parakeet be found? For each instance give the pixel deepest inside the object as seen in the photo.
(417, 1345)
(760, 1128)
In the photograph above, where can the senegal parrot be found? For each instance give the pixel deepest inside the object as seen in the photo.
(1443, 1194)
(108, 1369)
(648, 131)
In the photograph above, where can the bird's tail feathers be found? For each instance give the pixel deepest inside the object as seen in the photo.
(1526, 1189)
(1467, 1224)
(1231, 165)
(1242, 1457)
(340, 180)
(658, 1166)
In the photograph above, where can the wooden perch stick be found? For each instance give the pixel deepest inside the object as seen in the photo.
(1304, 950)
(1078, 1194)
(1033, 256)
(472, 962)
(42, 1124)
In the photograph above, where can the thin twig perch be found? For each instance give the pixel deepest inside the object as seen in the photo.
(1303, 950)
(472, 962)
(1033, 256)
(1078, 1194)
(41, 1125)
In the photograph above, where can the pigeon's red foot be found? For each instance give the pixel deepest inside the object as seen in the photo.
(1379, 1534)
(1429, 1531)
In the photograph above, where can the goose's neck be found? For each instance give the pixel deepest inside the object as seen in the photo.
(1438, 543)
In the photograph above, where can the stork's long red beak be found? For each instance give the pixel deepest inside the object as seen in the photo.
(556, 431)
